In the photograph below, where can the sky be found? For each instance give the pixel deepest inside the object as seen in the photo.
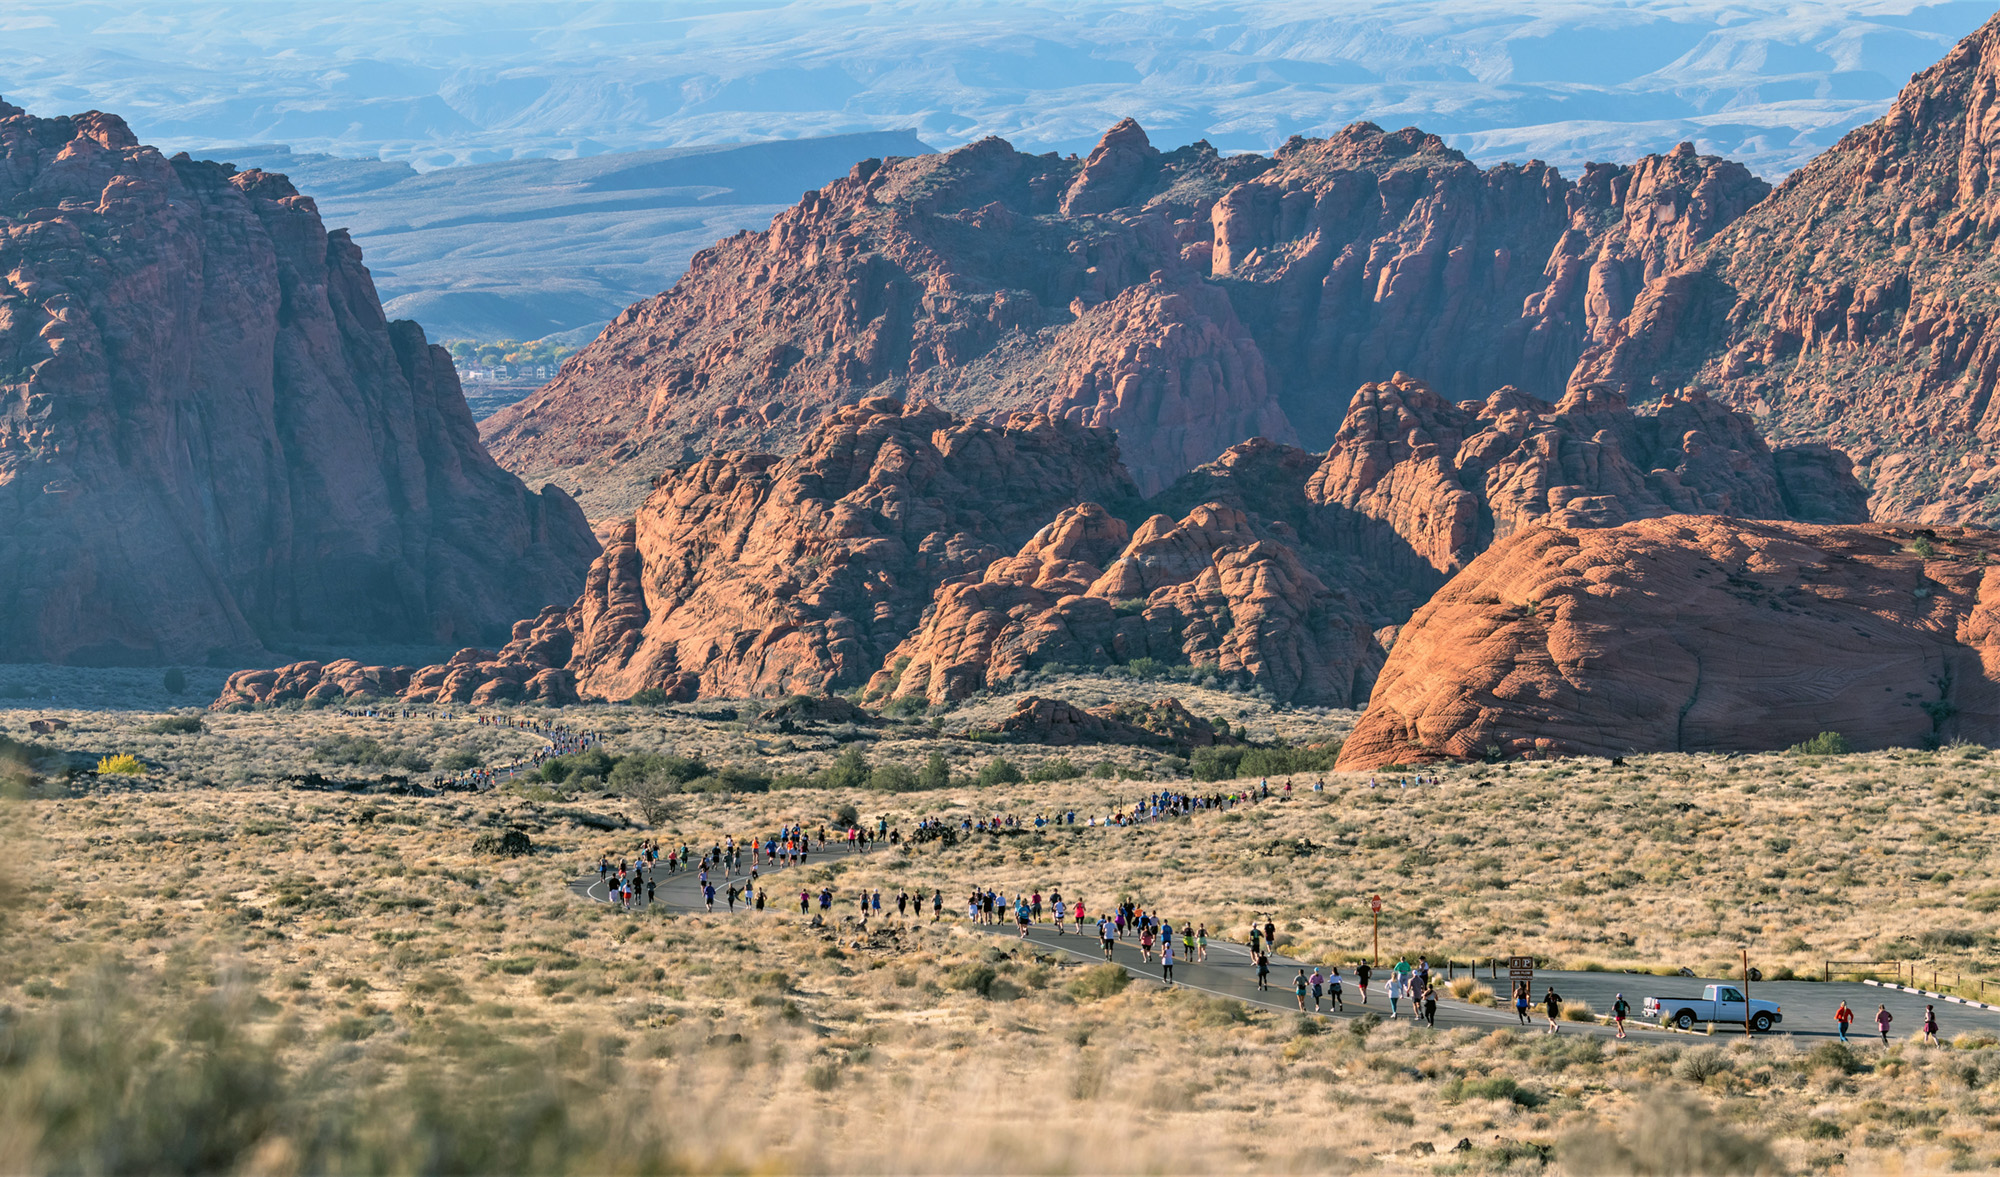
(437, 83)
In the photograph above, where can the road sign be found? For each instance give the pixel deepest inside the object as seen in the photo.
(1520, 968)
(1375, 903)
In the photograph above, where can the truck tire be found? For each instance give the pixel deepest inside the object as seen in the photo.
(1761, 1023)
(1685, 1019)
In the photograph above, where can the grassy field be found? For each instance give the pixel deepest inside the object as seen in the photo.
(208, 969)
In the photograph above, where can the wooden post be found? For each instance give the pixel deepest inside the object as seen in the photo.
(1746, 993)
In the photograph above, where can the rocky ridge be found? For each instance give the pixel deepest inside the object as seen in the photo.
(932, 557)
(1165, 722)
(1185, 299)
(1213, 589)
(1854, 307)
(1695, 633)
(211, 440)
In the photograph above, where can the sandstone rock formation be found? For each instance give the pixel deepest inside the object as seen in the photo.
(1418, 484)
(1854, 307)
(1161, 723)
(1214, 588)
(1695, 633)
(1187, 300)
(747, 574)
(212, 440)
(1414, 486)
(328, 681)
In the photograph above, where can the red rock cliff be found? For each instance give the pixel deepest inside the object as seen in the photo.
(1855, 306)
(210, 437)
(1695, 633)
(1186, 300)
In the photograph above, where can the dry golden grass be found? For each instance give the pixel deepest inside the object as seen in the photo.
(400, 1001)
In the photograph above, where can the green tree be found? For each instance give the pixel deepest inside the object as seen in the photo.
(999, 772)
(849, 770)
(936, 773)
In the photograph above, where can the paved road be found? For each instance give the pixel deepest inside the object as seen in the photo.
(1808, 1005)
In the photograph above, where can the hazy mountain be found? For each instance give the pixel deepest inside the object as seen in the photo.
(527, 248)
(1768, 82)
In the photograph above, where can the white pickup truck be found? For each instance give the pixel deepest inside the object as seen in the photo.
(1717, 1003)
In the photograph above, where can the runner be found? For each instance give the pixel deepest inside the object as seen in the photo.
(1362, 972)
(1334, 1001)
(1201, 943)
(1620, 1007)
(1431, 1006)
(1930, 1025)
(1552, 1003)
(1167, 962)
(1263, 972)
(1396, 990)
(1299, 986)
(1318, 984)
(1145, 943)
(1843, 1018)
(1882, 1020)
(1187, 941)
(1521, 1001)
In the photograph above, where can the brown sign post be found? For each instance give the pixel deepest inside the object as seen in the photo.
(1521, 969)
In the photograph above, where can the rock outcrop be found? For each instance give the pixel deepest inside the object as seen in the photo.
(1417, 484)
(1185, 299)
(329, 682)
(1695, 633)
(211, 440)
(751, 575)
(1214, 588)
(1161, 723)
(1854, 307)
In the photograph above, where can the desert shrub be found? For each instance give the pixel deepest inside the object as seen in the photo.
(652, 766)
(177, 725)
(1942, 938)
(1099, 982)
(369, 752)
(998, 771)
(1059, 769)
(906, 705)
(729, 778)
(1662, 1138)
(846, 816)
(1699, 1066)
(578, 768)
(649, 697)
(1498, 1087)
(936, 773)
(509, 844)
(174, 681)
(123, 764)
(458, 760)
(849, 770)
(1237, 763)
(1215, 764)
(1104, 770)
(1578, 1011)
(1471, 989)
(892, 778)
(983, 980)
(1263, 762)
(1823, 744)
(1835, 1055)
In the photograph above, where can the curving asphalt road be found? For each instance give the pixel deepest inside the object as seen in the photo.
(1228, 972)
